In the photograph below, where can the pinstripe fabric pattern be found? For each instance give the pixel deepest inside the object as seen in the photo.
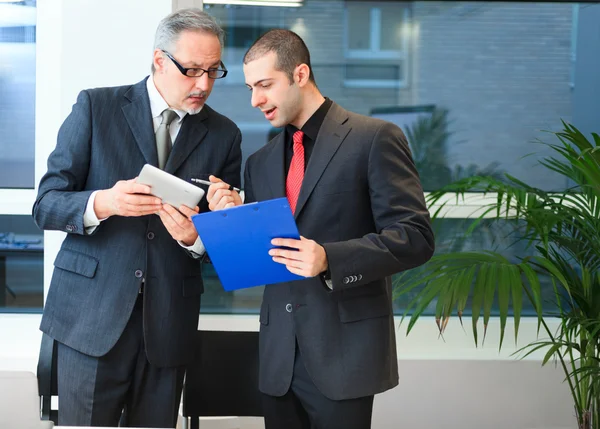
(295, 176)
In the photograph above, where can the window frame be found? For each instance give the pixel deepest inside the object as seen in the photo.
(375, 53)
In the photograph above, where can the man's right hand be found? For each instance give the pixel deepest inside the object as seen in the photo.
(126, 198)
(219, 196)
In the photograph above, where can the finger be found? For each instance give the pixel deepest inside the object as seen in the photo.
(221, 192)
(188, 212)
(219, 204)
(287, 242)
(214, 179)
(297, 271)
(166, 219)
(224, 202)
(214, 188)
(132, 187)
(175, 214)
(141, 200)
(142, 210)
(291, 264)
(290, 255)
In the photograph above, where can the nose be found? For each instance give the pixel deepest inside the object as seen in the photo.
(203, 82)
(257, 99)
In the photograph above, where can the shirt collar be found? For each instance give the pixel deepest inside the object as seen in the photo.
(313, 125)
(158, 103)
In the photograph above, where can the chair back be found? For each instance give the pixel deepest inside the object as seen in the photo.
(47, 376)
(223, 378)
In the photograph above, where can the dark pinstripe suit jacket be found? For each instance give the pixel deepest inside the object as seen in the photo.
(109, 137)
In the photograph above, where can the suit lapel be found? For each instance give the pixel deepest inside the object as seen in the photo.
(193, 129)
(276, 173)
(331, 135)
(139, 117)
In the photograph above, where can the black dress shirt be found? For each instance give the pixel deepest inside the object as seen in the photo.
(310, 129)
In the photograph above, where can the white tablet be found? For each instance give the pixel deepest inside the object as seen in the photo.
(171, 189)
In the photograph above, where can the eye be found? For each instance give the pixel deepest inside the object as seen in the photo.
(265, 85)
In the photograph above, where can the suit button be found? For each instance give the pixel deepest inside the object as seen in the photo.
(139, 273)
(150, 235)
(346, 280)
(288, 308)
(70, 228)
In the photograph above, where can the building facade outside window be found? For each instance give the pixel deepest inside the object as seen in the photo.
(472, 84)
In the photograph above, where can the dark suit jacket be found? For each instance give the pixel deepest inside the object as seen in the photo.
(109, 137)
(362, 200)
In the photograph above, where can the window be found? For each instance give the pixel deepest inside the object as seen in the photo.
(21, 242)
(17, 94)
(377, 36)
(493, 235)
(472, 85)
(21, 264)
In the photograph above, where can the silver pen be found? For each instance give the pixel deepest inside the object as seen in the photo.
(207, 183)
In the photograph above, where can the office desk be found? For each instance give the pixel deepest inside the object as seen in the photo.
(30, 250)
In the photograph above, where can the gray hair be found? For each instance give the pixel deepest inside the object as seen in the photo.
(193, 19)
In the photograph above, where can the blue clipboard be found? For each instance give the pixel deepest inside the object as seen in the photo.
(238, 241)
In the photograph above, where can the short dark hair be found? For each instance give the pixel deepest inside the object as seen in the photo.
(290, 49)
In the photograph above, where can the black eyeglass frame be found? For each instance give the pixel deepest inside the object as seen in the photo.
(184, 71)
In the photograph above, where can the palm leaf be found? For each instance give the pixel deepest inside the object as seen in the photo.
(561, 229)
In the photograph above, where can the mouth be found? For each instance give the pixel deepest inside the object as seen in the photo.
(270, 113)
(196, 97)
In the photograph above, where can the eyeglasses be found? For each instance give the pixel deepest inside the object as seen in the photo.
(197, 71)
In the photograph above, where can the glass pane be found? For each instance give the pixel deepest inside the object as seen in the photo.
(359, 26)
(17, 94)
(497, 236)
(216, 300)
(392, 26)
(477, 93)
(21, 264)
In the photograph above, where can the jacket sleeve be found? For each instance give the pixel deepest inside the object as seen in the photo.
(61, 200)
(404, 237)
(232, 171)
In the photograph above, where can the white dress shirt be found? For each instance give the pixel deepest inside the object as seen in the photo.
(157, 106)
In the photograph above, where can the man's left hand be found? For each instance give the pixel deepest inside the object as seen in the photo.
(179, 223)
(308, 260)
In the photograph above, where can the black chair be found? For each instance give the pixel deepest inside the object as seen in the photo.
(47, 375)
(223, 378)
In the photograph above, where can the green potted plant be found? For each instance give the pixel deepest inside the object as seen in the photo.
(562, 232)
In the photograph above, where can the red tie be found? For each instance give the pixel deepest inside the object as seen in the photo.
(296, 174)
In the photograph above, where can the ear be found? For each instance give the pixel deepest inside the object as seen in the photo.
(301, 75)
(159, 61)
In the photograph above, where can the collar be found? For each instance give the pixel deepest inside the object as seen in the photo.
(313, 125)
(158, 103)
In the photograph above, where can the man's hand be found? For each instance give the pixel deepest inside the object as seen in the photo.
(308, 260)
(219, 196)
(179, 223)
(126, 198)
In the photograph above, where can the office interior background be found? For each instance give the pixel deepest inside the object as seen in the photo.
(495, 74)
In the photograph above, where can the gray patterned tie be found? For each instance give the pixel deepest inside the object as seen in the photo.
(163, 137)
